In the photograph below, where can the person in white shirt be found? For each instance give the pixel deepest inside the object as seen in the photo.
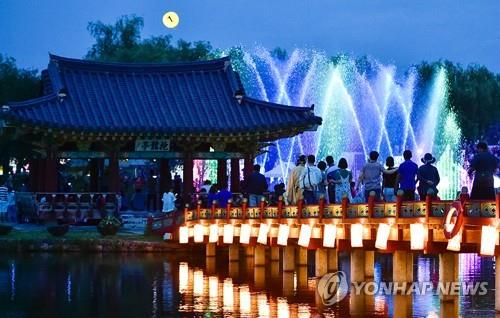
(309, 180)
(329, 178)
(168, 201)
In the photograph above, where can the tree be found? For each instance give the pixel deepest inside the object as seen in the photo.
(17, 84)
(122, 42)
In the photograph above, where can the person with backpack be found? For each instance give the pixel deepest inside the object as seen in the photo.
(342, 179)
(309, 180)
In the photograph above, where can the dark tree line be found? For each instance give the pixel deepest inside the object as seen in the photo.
(474, 90)
(474, 97)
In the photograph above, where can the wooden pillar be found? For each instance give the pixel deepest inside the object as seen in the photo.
(165, 176)
(234, 253)
(402, 267)
(187, 177)
(34, 175)
(94, 175)
(275, 253)
(260, 255)
(234, 268)
(369, 263)
(288, 284)
(333, 263)
(210, 265)
(235, 175)
(113, 173)
(248, 165)
(222, 173)
(448, 272)
(403, 305)
(249, 251)
(288, 259)
(321, 261)
(51, 175)
(301, 255)
(357, 265)
(259, 276)
(210, 250)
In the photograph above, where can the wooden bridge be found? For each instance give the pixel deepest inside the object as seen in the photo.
(286, 233)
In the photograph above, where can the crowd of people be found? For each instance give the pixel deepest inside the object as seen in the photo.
(310, 181)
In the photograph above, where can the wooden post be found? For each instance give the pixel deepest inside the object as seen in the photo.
(248, 164)
(34, 184)
(301, 255)
(94, 175)
(288, 258)
(448, 272)
(357, 265)
(402, 267)
(333, 263)
(260, 255)
(51, 175)
(113, 173)
(275, 253)
(222, 173)
(165, 176)
(235, 175)
(210, 250)
(187, 177)
(369, 263)
(320, 262)
(234, 253)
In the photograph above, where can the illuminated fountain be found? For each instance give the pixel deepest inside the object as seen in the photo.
(365, 106)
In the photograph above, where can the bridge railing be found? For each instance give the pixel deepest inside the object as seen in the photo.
(371, 210)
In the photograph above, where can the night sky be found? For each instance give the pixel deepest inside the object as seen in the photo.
(393, 31)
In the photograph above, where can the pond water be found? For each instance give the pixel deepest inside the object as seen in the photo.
(159, 285)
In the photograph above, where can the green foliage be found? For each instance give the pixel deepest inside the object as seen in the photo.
(17, 84)
(122, 42)
(474, 95)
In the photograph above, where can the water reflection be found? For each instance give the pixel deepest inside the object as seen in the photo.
(59, 285)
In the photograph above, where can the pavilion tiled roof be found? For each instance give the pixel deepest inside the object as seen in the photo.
(193, 98)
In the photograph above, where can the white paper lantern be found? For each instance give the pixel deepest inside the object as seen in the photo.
(198, 233)
(228, 234)
(383, 232)
(489, 237)
(263, 231)
(329, 235)
(283, 232)
(183, 235)
(245, 231)
(213, 236)
(357, 235)
(417, 236)
(304, 235)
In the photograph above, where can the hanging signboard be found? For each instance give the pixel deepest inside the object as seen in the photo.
(152, 144)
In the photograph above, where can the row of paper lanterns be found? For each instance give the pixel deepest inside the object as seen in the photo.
(417, 235)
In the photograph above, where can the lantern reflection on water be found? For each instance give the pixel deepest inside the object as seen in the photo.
(245, 300)
(183, 277)
(198, 283)
(227, 295)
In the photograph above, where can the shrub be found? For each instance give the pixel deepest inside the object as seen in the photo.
(109, 225)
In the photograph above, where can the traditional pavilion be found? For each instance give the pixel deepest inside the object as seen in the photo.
(96, 111)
